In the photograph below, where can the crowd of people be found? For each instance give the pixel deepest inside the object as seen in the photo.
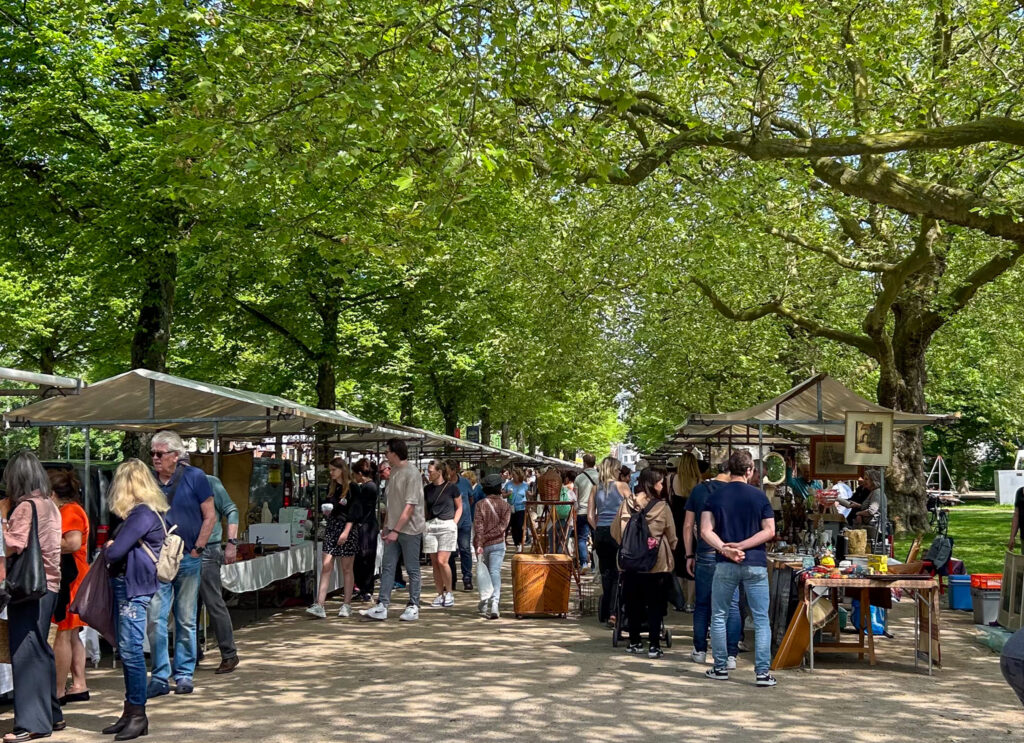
(704, 534)
(46, 531)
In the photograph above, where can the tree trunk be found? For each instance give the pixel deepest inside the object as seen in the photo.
(485, 425)
(153, 329)
(451, 418)
(48, 434)
(901, 387)
(407, 396)
(504, 435)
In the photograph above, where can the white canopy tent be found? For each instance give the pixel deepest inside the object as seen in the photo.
(143, 400)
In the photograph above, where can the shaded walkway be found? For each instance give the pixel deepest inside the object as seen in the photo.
(454, 676)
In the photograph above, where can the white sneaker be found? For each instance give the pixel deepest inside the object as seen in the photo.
(698, 657)
(345, 611)
(317, 610)
(494, 614)
(449, 600)
(438, 602)
(411, 613)
(379, 612)
(730, 663)
(482, 607)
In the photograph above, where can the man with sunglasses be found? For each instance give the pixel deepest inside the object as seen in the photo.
(190, 496)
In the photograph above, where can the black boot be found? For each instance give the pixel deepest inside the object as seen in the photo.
(118, 726)
(137, 723)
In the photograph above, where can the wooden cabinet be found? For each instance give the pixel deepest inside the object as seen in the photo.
(540, 584)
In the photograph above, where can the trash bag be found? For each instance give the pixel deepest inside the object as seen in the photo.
(94, 602)
(877, 618)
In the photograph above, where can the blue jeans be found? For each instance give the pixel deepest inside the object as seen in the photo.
(582, 532)
(131, 633)
(488, 572)
(704, 574)
(408, 546)
(465, 553)
(728, 577)
(182, 594)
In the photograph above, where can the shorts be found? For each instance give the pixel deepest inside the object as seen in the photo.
(442, 535)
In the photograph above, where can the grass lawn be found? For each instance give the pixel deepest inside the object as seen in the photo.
(979, 537)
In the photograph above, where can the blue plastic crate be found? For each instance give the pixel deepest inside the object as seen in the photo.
(960, 593)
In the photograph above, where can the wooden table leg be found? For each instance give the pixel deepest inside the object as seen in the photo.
(865, 608)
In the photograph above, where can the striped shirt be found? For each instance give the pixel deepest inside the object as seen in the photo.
(489, 523)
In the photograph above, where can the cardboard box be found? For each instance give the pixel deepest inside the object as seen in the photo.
(279, 534)
(297, 518)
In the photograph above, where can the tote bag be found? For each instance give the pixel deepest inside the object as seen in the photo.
(26, 575)
(94, 602)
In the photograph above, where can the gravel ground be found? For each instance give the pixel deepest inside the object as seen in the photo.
(454, 676)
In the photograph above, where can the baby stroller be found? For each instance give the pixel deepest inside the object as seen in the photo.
(620, 630)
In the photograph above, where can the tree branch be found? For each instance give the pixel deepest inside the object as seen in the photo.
(273, 324)
(990, 129)
(883, 185)
(984, 274)
(834, 255)
(776, 307)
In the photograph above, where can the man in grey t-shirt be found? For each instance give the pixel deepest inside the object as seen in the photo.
(402, 533)
(585, 483)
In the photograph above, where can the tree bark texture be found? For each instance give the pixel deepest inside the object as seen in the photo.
(153, 329)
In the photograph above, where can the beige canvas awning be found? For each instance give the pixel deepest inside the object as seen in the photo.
(815, 407)
(143, 400)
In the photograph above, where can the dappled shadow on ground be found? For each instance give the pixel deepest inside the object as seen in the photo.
(454, 676)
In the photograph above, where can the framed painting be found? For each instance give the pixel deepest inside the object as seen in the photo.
(868, 439)
(828, 459)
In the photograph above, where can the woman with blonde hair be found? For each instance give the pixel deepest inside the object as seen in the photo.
(131, 554)
(686, 477)
(605, 501)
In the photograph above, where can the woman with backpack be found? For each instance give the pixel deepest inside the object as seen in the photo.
(131, 555)
(604, 505)
(647, 534)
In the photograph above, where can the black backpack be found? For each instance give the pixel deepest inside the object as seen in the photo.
(635, 553)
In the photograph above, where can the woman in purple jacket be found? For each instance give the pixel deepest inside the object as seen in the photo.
(135, 497)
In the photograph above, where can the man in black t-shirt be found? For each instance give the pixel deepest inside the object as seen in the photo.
(1015, 525)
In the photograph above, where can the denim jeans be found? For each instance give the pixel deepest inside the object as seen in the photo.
(488, 572)
(465, 553)
(182, 596)
(131, 632)
(582, 532)
(754, 580)
(704, 574)
(408, 546)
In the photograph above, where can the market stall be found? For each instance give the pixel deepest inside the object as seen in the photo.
(843, 433)
(146, 401)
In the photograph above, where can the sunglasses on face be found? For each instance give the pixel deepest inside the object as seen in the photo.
(160, 454)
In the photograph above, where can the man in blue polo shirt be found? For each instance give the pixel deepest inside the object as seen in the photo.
(193, 512)
(737, 522)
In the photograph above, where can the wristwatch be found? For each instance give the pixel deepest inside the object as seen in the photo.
(199, 550)
(233, 541)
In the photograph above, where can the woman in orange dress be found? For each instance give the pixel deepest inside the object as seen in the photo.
(68, 650)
